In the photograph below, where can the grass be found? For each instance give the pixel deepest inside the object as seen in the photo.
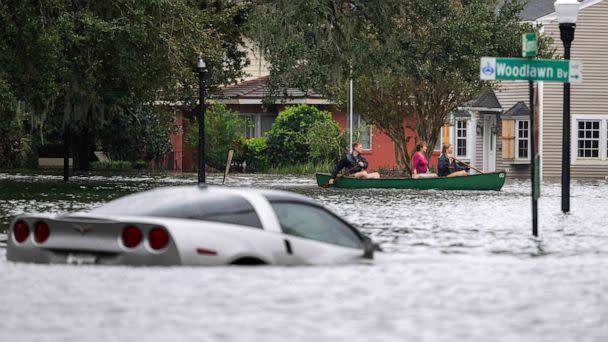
(307, 168)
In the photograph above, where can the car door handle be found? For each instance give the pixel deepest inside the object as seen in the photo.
(288, 247)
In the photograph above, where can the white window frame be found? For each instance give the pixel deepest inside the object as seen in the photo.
(358, 122)
(439, 138)
(603, 140)
(251, 130)
(517, 139)
(467, 139)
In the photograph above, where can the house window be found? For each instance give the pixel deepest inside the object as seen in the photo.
(589, 138)
(249, 125)
(523, 139)
(588, 144)
(362, 131)
(438, 144)
(266, 122)
(461, 137)
(258, 124)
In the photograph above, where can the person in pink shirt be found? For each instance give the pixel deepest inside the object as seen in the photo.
(420, 165)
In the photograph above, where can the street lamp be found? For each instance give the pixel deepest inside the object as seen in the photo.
(567, 11)
(201, 68)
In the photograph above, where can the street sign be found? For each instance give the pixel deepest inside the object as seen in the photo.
(529, 44)
(522, 69)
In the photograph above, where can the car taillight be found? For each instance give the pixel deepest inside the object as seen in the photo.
(158, 238)
(21, 231)
(131, 236)
(41, 232)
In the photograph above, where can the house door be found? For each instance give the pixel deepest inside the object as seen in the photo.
(489, 143)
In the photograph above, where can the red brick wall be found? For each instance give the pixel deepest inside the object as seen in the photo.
(382, 154)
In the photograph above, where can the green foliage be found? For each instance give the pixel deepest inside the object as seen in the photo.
(223, 130)
(408, 59)
(140, 164)
(139, 133)
(287, 140)
(85, 64)
(301, 168)
(112, 165)
(255, 154)
(325, 142)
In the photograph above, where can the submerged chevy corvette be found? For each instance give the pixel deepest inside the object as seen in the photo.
(192, 225)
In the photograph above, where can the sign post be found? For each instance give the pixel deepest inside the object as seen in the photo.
(531, 69)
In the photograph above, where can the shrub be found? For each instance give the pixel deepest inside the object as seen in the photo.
(325, 142)
(138, 133)
(223, 129)
(112, 165)
(287, 141)
(255, 154)
(140, 165)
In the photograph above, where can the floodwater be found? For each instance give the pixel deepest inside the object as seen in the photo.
(456, 266)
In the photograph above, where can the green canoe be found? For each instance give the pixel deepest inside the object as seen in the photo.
(486, 181)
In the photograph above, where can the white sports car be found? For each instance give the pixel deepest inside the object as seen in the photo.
(192, 225)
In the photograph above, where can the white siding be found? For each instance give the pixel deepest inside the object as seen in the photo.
(258, 66)
(590, 46)
(508, 94)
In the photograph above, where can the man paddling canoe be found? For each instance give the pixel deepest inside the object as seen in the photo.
(355, 164)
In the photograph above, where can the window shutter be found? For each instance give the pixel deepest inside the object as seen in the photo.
(508, 139)
(445, 135)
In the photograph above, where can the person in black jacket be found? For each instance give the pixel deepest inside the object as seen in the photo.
(355, 165)
(447, 166)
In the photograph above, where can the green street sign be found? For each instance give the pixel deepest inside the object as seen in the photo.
(529, 44)
(521, 69)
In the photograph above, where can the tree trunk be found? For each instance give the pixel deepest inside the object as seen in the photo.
(83, 150)
(32, 159)
(66, 153)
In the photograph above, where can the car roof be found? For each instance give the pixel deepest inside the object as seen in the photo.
(165, 196)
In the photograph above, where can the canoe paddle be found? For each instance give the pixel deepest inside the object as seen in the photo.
(327, 185)
(469, 165)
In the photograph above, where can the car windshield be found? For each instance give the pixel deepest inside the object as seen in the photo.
(311, 222)
(186, 204)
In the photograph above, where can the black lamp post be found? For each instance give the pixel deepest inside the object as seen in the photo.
(567, 11)
(201, 68)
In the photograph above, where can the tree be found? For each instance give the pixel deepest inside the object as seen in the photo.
(139, 133)
(412, 62)
(88, 61)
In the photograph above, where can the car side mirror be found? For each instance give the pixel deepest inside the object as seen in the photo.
(368, 247)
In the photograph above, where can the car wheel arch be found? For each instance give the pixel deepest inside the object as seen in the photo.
(248, 261)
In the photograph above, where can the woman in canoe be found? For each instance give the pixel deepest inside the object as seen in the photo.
(447, 166)
(420, 165)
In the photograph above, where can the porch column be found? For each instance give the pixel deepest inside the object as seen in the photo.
(472, 142)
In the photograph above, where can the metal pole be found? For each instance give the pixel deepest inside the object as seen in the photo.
(567, 36)
(201, 122)
(533, 162)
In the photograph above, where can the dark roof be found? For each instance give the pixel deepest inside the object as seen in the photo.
(518, 109)
(487, 99)
(535, 9)
(257, 88)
